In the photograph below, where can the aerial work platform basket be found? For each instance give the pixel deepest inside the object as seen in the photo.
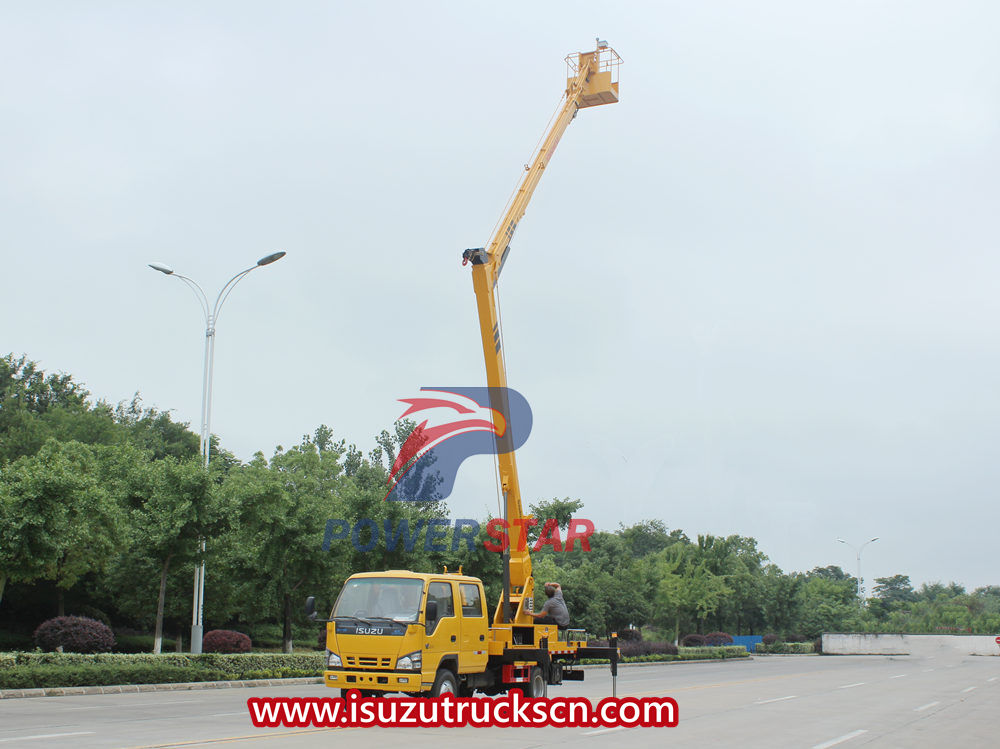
(601, 86)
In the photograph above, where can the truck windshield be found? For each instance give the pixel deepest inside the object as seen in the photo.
(380, 598)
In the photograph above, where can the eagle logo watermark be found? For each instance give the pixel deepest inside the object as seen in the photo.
(454, 423)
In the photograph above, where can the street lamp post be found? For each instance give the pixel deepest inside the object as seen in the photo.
(205, 439)
(859, 549)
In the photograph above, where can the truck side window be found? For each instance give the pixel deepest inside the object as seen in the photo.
(472, 602)
(440, 592)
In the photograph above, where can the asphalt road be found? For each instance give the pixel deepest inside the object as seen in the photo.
(776, 701)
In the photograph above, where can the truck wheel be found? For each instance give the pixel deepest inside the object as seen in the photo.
(444, 683)
(537, 686)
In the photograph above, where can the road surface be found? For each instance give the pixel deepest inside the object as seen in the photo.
(804, 701)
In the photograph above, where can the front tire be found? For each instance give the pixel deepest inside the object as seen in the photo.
(444, 683)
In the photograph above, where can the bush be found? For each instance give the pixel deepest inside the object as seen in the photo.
(693, 641)
(718, 638)
(818, 645)
(102, 674)
(630, 635)
(34, 670)
(225, 641)
(75, 634)
(724, 651)
(769, 639)
(786, 648)
(796, 637)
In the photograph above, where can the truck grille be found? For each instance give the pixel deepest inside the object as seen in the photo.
(368, 662)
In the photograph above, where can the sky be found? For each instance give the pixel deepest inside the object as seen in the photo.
(756, 296)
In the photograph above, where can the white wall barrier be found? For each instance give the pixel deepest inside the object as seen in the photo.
(879, 644)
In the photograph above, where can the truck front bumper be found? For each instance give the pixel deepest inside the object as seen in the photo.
(388, 681)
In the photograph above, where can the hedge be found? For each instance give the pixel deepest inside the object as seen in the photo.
(34, 670)
(684, 654)
(786, 648)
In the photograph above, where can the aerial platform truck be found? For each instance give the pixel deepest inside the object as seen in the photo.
(429, 634)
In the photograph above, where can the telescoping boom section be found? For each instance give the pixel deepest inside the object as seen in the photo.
(592, 80)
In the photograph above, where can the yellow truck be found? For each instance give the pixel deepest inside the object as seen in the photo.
(417, 633)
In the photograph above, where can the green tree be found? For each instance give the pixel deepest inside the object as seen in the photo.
(282, 506)
(57, 520)
(895, 589)
(686, 588)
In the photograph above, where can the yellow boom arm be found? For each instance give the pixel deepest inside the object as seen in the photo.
(592, 81)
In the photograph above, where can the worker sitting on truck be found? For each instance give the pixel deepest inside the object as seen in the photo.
(554, 609)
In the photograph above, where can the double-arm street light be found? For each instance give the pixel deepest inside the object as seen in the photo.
(211, 319)
(859, 549)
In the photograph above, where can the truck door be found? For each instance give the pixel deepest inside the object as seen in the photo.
(443, 632)
(473, 655)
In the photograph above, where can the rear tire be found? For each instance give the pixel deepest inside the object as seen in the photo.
(444, 683)
(536, 687)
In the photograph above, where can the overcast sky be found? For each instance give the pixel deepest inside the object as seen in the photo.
(756, 296)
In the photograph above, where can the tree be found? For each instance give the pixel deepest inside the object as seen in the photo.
(154, 431)
(648, 537)
(57, 520)
(282, 507)
(35, 407)
(895, 589)
(686, 587)
(171, 504)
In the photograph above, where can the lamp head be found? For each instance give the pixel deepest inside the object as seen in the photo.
(268, 259)
(165, 269)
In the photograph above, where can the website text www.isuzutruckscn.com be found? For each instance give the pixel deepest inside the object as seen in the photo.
(512, 710)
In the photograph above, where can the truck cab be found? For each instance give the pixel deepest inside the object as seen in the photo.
(402, 631)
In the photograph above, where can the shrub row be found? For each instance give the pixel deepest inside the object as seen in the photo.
(685, 654)
(787, 648)
(723, 651)
(107, 674)
(35, 670)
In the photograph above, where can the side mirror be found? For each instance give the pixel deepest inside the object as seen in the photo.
(311, 608)
(432, 611)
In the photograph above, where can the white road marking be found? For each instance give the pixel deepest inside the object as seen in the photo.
(967, 689)
(928, 670)
(776, 699)
(994, 678)
(603, 730)
(848, 686)
(927, 706)
(897, 677)
(840, 739)
(47, 736)
(220, 715)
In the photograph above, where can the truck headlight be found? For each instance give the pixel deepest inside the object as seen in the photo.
(332, 660)
(410, 662)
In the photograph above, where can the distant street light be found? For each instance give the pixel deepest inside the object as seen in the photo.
(205, 441)
(859, 550)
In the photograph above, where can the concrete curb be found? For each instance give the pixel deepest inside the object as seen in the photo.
(11, 694)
